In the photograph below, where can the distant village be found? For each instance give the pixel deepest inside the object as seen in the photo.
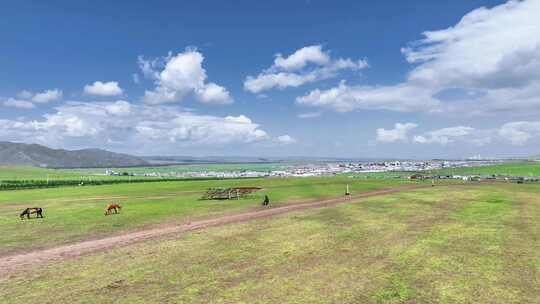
(414, 168)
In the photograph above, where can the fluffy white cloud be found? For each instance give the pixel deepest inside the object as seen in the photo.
(443, 136)
(399, 133)
(181, 75)
(344, 98)
(120, 108)
(488, 48)
(18, 103)
(47, 96)
(292, 71)
(279, 80)
(149, 68)
(132, 127)
(213, 93)
(28, 100)
(515, 133)
(183, 72)
(99, 88)
(512, 101)
(201, 130)
(519, 132)
(285, 139)
(300, 58)
(492, 52)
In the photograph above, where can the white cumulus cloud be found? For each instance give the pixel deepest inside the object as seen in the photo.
(398, 133)
(443, 136)
(308, 64)
(487, 48)
(29, 100)
(213, 93)
(119, 107)
(18, 103)
(111, 88)
(492, 52)
(178, 76)
(519, 132)
(515, 133)
(285, 139)
(47, 96)
(299, 59)
(134, 128)
(344, 98)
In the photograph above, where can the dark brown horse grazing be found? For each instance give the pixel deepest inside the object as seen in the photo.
(112, 207)
(38, 211)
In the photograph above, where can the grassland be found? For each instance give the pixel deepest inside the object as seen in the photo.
(26, 173)
(258, 167)
(76, 213)
(476, 244)
(515, 168)
(35, 173)
(531, 168)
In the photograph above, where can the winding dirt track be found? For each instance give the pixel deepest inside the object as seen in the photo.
(13, 262)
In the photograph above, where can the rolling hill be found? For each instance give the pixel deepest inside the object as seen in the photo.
(38, 155)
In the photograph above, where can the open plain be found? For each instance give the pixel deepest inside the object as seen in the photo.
(391, 241)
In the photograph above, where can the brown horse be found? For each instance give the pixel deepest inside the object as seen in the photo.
(112, 207)
(38, 211)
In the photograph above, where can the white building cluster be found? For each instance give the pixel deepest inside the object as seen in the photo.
(318, 169)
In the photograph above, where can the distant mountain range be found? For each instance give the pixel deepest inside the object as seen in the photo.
(42, 156)
(184, 160)
(38, 155)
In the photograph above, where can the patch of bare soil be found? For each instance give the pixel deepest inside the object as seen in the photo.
(12, 262)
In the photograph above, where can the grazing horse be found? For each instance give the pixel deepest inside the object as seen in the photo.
(112, 207)
(38, 211)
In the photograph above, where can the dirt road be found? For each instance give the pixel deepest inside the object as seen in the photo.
(13, 262)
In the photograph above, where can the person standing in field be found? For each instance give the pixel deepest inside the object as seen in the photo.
(266, 200)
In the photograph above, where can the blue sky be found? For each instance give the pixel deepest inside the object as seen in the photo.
(309, 78)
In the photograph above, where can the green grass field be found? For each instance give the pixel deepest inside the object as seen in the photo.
(263, 167)
(35, 173)
(521, 168)
(468, 244)
(510, 169)
(25, 173)
(76, 213)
